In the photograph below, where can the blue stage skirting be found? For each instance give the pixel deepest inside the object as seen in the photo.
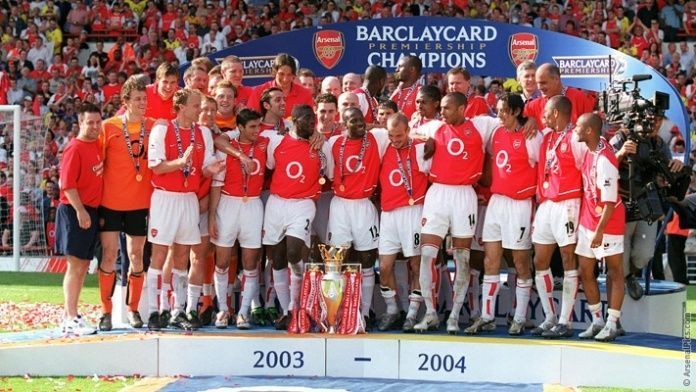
(326, 384)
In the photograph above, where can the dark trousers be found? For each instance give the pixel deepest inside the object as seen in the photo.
(676, 257)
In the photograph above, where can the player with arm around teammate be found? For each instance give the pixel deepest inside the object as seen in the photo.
(404, 181)
(509, 215)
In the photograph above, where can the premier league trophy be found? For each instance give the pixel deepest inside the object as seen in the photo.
(330, 295)
(332, 283)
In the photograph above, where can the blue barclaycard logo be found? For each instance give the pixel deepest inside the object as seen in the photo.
(589, 66)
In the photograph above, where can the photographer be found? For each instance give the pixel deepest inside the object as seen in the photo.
(648, 157)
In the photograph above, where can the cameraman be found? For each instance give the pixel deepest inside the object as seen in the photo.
(647, 152)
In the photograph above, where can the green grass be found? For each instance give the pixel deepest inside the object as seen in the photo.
(21, 384)
(40, 287)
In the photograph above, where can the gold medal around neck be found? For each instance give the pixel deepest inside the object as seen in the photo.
(138, 177)
(245, 199)
(599, 209)
(411, 202)
(545, 185)
(322, 180)
(342, 188)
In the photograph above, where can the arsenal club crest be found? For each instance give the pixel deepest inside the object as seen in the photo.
(153, 232)
(328, 46)
(516, 144)
(522, 47)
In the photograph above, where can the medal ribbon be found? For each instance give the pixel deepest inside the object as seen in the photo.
(245, 175)
(593, 173)
(186, 169)
(129, 146)
(549, 159)
(406, 175)
(371, 105)
(342, 150)
(400, 102)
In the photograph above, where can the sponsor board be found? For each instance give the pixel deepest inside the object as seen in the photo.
(589, 66)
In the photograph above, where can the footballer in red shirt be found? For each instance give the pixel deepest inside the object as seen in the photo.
(602, 226)
(298, 174)
(160, 94)
(180, 152)
(403, 180)
(508, 219)
(451, 203)
(236, 214)
(353, 219)
(375, 80)
(408, 73)
(284, 73)
(559, 189)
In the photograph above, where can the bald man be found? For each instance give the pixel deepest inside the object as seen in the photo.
(331, 85)
(548, 79)
(347, 100)
(351, 81)
(602, 225)
(559, 191)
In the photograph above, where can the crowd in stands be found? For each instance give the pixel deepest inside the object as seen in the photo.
(53, 55)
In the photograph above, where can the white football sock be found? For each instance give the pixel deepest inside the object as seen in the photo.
(389, 296)
(221, 277)
(282, 288)
(153, 279)
(250, 290)
(544, 283)
(427, 269)
(570, 290)
(461, 280)
(491, 285)
(367, 289)
(522, 294)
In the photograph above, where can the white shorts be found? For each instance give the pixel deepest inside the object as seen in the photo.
(612, 244)
(320, 226)
(452, 208)
(353, 222)
(291, 217)
(173, 218)
(237, 220)
(556, 222)
(399, 231)
(477, 241)
(203, 224)
(510, 221)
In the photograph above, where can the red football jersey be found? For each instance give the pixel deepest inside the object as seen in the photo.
(354, 179)
(459, 151)
(581, 102)
(156, 106)
(298, 95)
(406, 99)
(297, 167)
(232, 179)
(391, 178)
(515, 163)
(600, 177)
(558, 172)
(164, 147)
(368, 105)
(476, 106)
(82, 168)
(243, 94)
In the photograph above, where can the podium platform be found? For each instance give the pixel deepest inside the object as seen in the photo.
(653, 354)
(634, 361)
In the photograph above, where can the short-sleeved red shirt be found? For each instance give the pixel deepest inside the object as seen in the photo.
(82, 168)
